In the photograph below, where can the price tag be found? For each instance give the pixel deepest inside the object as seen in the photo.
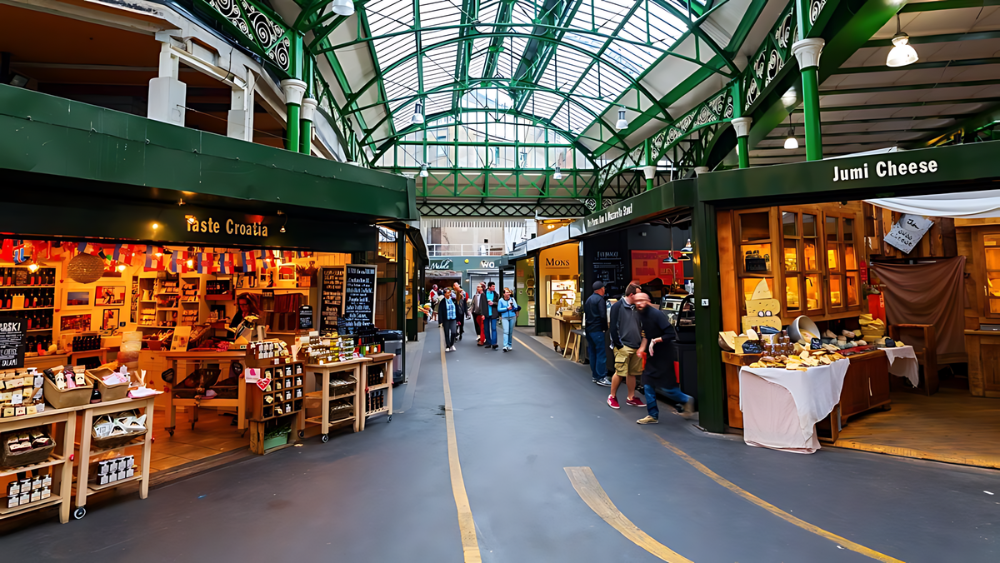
(253, 375)
(263, 383)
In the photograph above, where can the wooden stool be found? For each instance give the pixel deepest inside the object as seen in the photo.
(573, 342)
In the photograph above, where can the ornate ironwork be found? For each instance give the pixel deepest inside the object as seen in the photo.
(515, 209)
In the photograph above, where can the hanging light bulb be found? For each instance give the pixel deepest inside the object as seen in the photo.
(418, 113)
(622, 122)
(282, 229)
(190, 263)
(670, 258)
(343, 7)
(902, 53)
(121, 267)
(423, 171)
(33, 267)
(791, 143)
(556, 173)
(688, 249)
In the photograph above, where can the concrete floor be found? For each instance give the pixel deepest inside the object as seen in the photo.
(385, 495)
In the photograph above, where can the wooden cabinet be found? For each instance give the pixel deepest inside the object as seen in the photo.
(983, 348)
(866, 385)
(809, 256)
(986, 243)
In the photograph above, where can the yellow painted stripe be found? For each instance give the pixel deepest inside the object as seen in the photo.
(532, 350)
(466, 525)
(590, 490)
(843, 542)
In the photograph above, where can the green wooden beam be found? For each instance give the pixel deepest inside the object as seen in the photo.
(906, 87)
(943, 38)
(918, 66)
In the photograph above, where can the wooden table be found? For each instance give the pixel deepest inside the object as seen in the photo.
(323, 374)
(60, 466)
(89, 412)
(377, 376)
(237, 405)
(560, 331)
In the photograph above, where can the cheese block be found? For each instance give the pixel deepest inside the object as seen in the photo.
(761, 291)
(727, 341)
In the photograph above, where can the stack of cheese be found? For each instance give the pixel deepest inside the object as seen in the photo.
(801, 362)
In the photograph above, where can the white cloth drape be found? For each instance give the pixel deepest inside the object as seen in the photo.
(967, 205)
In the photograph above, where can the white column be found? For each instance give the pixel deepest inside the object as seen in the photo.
(240, 118)
(699, 170)
(167, 94)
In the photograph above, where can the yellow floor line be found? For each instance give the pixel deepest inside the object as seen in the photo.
(466, 525)
(590, 490)
(843, 542)
(532, 350)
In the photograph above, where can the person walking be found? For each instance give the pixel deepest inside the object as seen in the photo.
(463, 307)
(488, 307)
(595, 312)
(658, 335)
(477, 315)
(434, 302)
(448, 311)
(508, 316)
(626, 337)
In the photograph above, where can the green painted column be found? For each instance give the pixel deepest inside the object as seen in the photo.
(649, 167)
(308, 114)
(807, 52)
(708, 319)
(742, 127)
(294, 91)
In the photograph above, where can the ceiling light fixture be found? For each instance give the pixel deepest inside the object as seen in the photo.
(33, 267)
(791, 143)
(343, 7)
(902, 53)
(121, 267)
(557, 173)
(282, 229)
(418, 113)
(622, 122)
(423, 171)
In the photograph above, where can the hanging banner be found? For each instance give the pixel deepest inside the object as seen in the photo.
(648, 265)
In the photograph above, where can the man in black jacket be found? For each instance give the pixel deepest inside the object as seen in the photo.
(596, 317)
(626, 337)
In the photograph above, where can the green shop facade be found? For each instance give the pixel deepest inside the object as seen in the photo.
(72, 172)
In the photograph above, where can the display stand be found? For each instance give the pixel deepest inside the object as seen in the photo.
(237, 405)
(352, 369)
(378, 391)
(83, 487)
(59, 466)
(281, 399)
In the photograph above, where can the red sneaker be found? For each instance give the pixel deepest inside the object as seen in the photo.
(612, 402)
(634, 402)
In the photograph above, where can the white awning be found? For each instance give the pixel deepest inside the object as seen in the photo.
(966, 205)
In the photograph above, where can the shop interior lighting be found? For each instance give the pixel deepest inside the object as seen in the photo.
(343, 7)
(120, 267)
(622, 122)
(902, 53)
(190, 263)
(557, 173)
(156, 226)
(670, 258)
(33, 267)
(418, 113)
(423, 171)
(688, 249)
(282, 229)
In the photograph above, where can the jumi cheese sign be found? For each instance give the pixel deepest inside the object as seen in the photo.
(252, 228)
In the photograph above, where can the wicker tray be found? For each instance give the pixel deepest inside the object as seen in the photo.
(108, 392)
(114, 441)
(67, 398)
(10, 459)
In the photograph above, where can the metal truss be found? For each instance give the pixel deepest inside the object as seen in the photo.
(545, 209)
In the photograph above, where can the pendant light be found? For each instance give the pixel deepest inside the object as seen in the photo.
(670, 258)
(791, 143)
(557, 174)
(902, 53)
(343, 7)
(622, 122)
(423, 171)
(418, 113)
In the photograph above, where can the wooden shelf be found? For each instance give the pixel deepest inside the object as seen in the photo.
(54, 499)
(94, 452)
(319, 420)
(40, 330)
(54, 460)
(27, 287)
(319, 395)
(30, 309)
(97, 488)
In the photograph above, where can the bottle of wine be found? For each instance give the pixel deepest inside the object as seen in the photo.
(95, 397)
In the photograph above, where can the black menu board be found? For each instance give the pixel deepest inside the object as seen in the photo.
(609, 268)
(305, 317)
(13, 332)
(359, 298)
(331, 297)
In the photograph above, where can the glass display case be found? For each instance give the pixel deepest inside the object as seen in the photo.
(562, 292)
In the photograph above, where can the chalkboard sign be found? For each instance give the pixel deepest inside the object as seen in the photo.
(13, 332)
(331, 297)
(609, 268)
(359, 298)
(305, 317)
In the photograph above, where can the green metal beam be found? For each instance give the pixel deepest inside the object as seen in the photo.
(463, 55)
(902, 105)
(947, 5)
(537, 52)
(504, 14)
(919, 66)
(944, 38)
(905, 87)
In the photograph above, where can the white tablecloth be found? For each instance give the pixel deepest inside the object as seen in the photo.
(903, 363)
(815, 393)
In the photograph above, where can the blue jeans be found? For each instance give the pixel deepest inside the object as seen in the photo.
(490, 330)
(597, 354)
(508, 331)
(675, 394)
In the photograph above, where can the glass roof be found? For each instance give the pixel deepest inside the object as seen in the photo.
(564, 62)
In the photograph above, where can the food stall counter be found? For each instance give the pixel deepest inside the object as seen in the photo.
(234, 404)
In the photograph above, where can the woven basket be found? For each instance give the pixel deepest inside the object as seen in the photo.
(10, 459)
(108, 392)
(67, 398)
(114, 441)
(85, 268)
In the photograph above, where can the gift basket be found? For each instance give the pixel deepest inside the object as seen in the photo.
(115, 430)
(25, 447)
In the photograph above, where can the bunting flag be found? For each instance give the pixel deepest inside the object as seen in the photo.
(19, 255)
(149, 257)
(81, 248)
(173, 263)
(211, 266)
(198, 262)
(135, 259)
(249, 262)
(7, 250)
(116, 255)
(226, 263)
